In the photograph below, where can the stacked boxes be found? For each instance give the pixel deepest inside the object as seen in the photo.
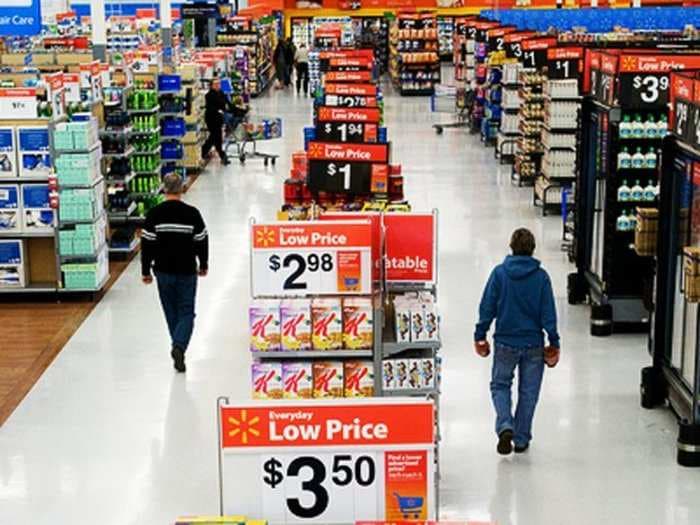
(80, 135)
(81, 204)
(296, 324)
(34, 152)
(82, 239)
(327, 320)
(86, 276)
(78, 169)
(12, 264)
(416, 318)
(409, 374)
(264, 323)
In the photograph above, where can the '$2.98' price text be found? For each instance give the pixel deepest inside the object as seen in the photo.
(313, 473)
(299, 265)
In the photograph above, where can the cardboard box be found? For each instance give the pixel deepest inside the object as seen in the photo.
(8, 153)
(359, 378)
(415, 374)
(264, 324)
(296, 324)
(358, 323)
(37, 214)
(402, 319)
(267, 380)
(328, 379)
(298, 380)
(402, 367)
(12, 264)
(431, 327)
(388, 375)
(34, 152)
(327, 323)
(428, 373)
(10, 208)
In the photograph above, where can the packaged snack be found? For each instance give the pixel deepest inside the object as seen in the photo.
(298, 380)
(267, 380)
(327, 323)
(359, 379)
(401, 373)
(388, 375)
(296, 324)
(415, 374)
(431, 330)
(428, 373)
(264, 322)
(403, 321)
(328, 379)
(417, 327)
(358, 324)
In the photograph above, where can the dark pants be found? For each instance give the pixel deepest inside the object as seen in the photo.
(303, 74)
(215, 139)
(177, 296)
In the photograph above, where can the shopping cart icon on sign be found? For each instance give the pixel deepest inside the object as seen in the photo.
(410, 507)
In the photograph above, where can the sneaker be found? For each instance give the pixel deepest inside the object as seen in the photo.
(505, 442)
(521, 449)
(178, 355)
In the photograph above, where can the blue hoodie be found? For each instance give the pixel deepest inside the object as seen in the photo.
(519, 296)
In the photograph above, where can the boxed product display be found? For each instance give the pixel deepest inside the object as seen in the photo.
(359, 378)
(37, 214)
(296, 324)
(409, 374)
(10, 220)
(34, 152)
(82, 239)
(298, 380)
(328, 379)
(646, 231)
(86, 276)
(358, 323)
(76, 135)
(81, 204)
(264, 323)
(267, 380)
(327, 323)
(416, 318)
(12, 264)
(78, 169)
(8, 153)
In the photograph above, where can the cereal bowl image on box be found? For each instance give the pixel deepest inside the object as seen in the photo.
(264, 324)
(327, 323)
(296, 324)
(358, 324)
(267, 380)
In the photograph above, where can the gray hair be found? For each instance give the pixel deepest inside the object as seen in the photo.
(172, 184)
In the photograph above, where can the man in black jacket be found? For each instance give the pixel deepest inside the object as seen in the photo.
(216, 104)
(174, 240)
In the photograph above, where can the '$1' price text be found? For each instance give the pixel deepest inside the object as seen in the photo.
(344, 471)
(299, 265)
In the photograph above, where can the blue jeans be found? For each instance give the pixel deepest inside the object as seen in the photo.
(177, 296)
(530, 364)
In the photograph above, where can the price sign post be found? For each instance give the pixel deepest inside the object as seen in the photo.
(314, 258)
(336, 461)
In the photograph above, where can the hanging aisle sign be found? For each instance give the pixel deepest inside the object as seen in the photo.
(20, 17)
(336, 461)
(311, 258)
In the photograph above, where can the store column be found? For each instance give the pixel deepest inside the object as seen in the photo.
(99, 29)
(166, 25)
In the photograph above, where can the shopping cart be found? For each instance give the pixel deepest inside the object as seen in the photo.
(454, 100)
(249, 132)
(410, 507)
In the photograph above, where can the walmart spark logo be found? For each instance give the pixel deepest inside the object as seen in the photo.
(264, 237)
(315, 151)
(629, 63)
(243, 427)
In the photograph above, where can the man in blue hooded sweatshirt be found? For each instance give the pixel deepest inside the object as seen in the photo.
(519, 296)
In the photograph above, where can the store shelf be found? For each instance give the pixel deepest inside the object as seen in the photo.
(149, 111)
(150, 172)
(422, 392)
(314, 354)
(136, 132)
(115, 216)
(89, 186)
(89, 149)
(26, 178)
(393, 348)
(151, 152)
(175, 114)
(87, 258)
(35, 288)
(125, 180)
(81, 221)
(127, 249)
(116, 131)
(129, 151)
(100, 286)
(27, 235)
(155, 191)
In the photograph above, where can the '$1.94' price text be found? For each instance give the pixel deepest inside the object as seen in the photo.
(316, 480)
(299, 265)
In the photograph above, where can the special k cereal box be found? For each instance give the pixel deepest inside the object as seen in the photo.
(296, 324)
(264, 321)
(328, 379)
(298, 380)
(267, 380)
(359, 379)
(327, 324)
(358, 324)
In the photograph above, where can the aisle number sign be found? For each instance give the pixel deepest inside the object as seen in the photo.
(311, 258)
(336, 461)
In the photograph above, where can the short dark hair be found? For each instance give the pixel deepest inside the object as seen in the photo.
(522, 242)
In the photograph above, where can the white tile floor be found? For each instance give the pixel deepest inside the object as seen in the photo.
(111, 435)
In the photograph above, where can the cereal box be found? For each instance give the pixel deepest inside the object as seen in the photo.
(359, 379)
(267, 380)
(358, 324)
(296, 324)
(298, 379)
(328, 379)
(327, 322)
(264, 322)
(428, 373)
(388, 375)
(401, 366)
(415, 374)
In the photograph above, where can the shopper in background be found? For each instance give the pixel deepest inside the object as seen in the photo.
(291, 51)
(519, 296)
(279, 59)
(216, 104)
(174, 241)
(301, 59)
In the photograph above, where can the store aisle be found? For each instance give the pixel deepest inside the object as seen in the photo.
(112, 433)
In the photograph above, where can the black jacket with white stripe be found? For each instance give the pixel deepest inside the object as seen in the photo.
(173, 239)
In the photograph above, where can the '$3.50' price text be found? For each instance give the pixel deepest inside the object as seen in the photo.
(344, 471)
(300, 264)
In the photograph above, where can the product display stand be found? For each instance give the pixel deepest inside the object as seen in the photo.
(172, 103)
(446, 28)
(531, 118)
(415, 61)
(509, 132)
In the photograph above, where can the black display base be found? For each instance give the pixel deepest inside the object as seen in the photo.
(653, 388)
(688, 444)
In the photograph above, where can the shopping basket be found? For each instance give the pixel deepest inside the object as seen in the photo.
(250, 131)
(410, 507)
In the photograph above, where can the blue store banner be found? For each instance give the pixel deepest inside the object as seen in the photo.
(20, 17)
